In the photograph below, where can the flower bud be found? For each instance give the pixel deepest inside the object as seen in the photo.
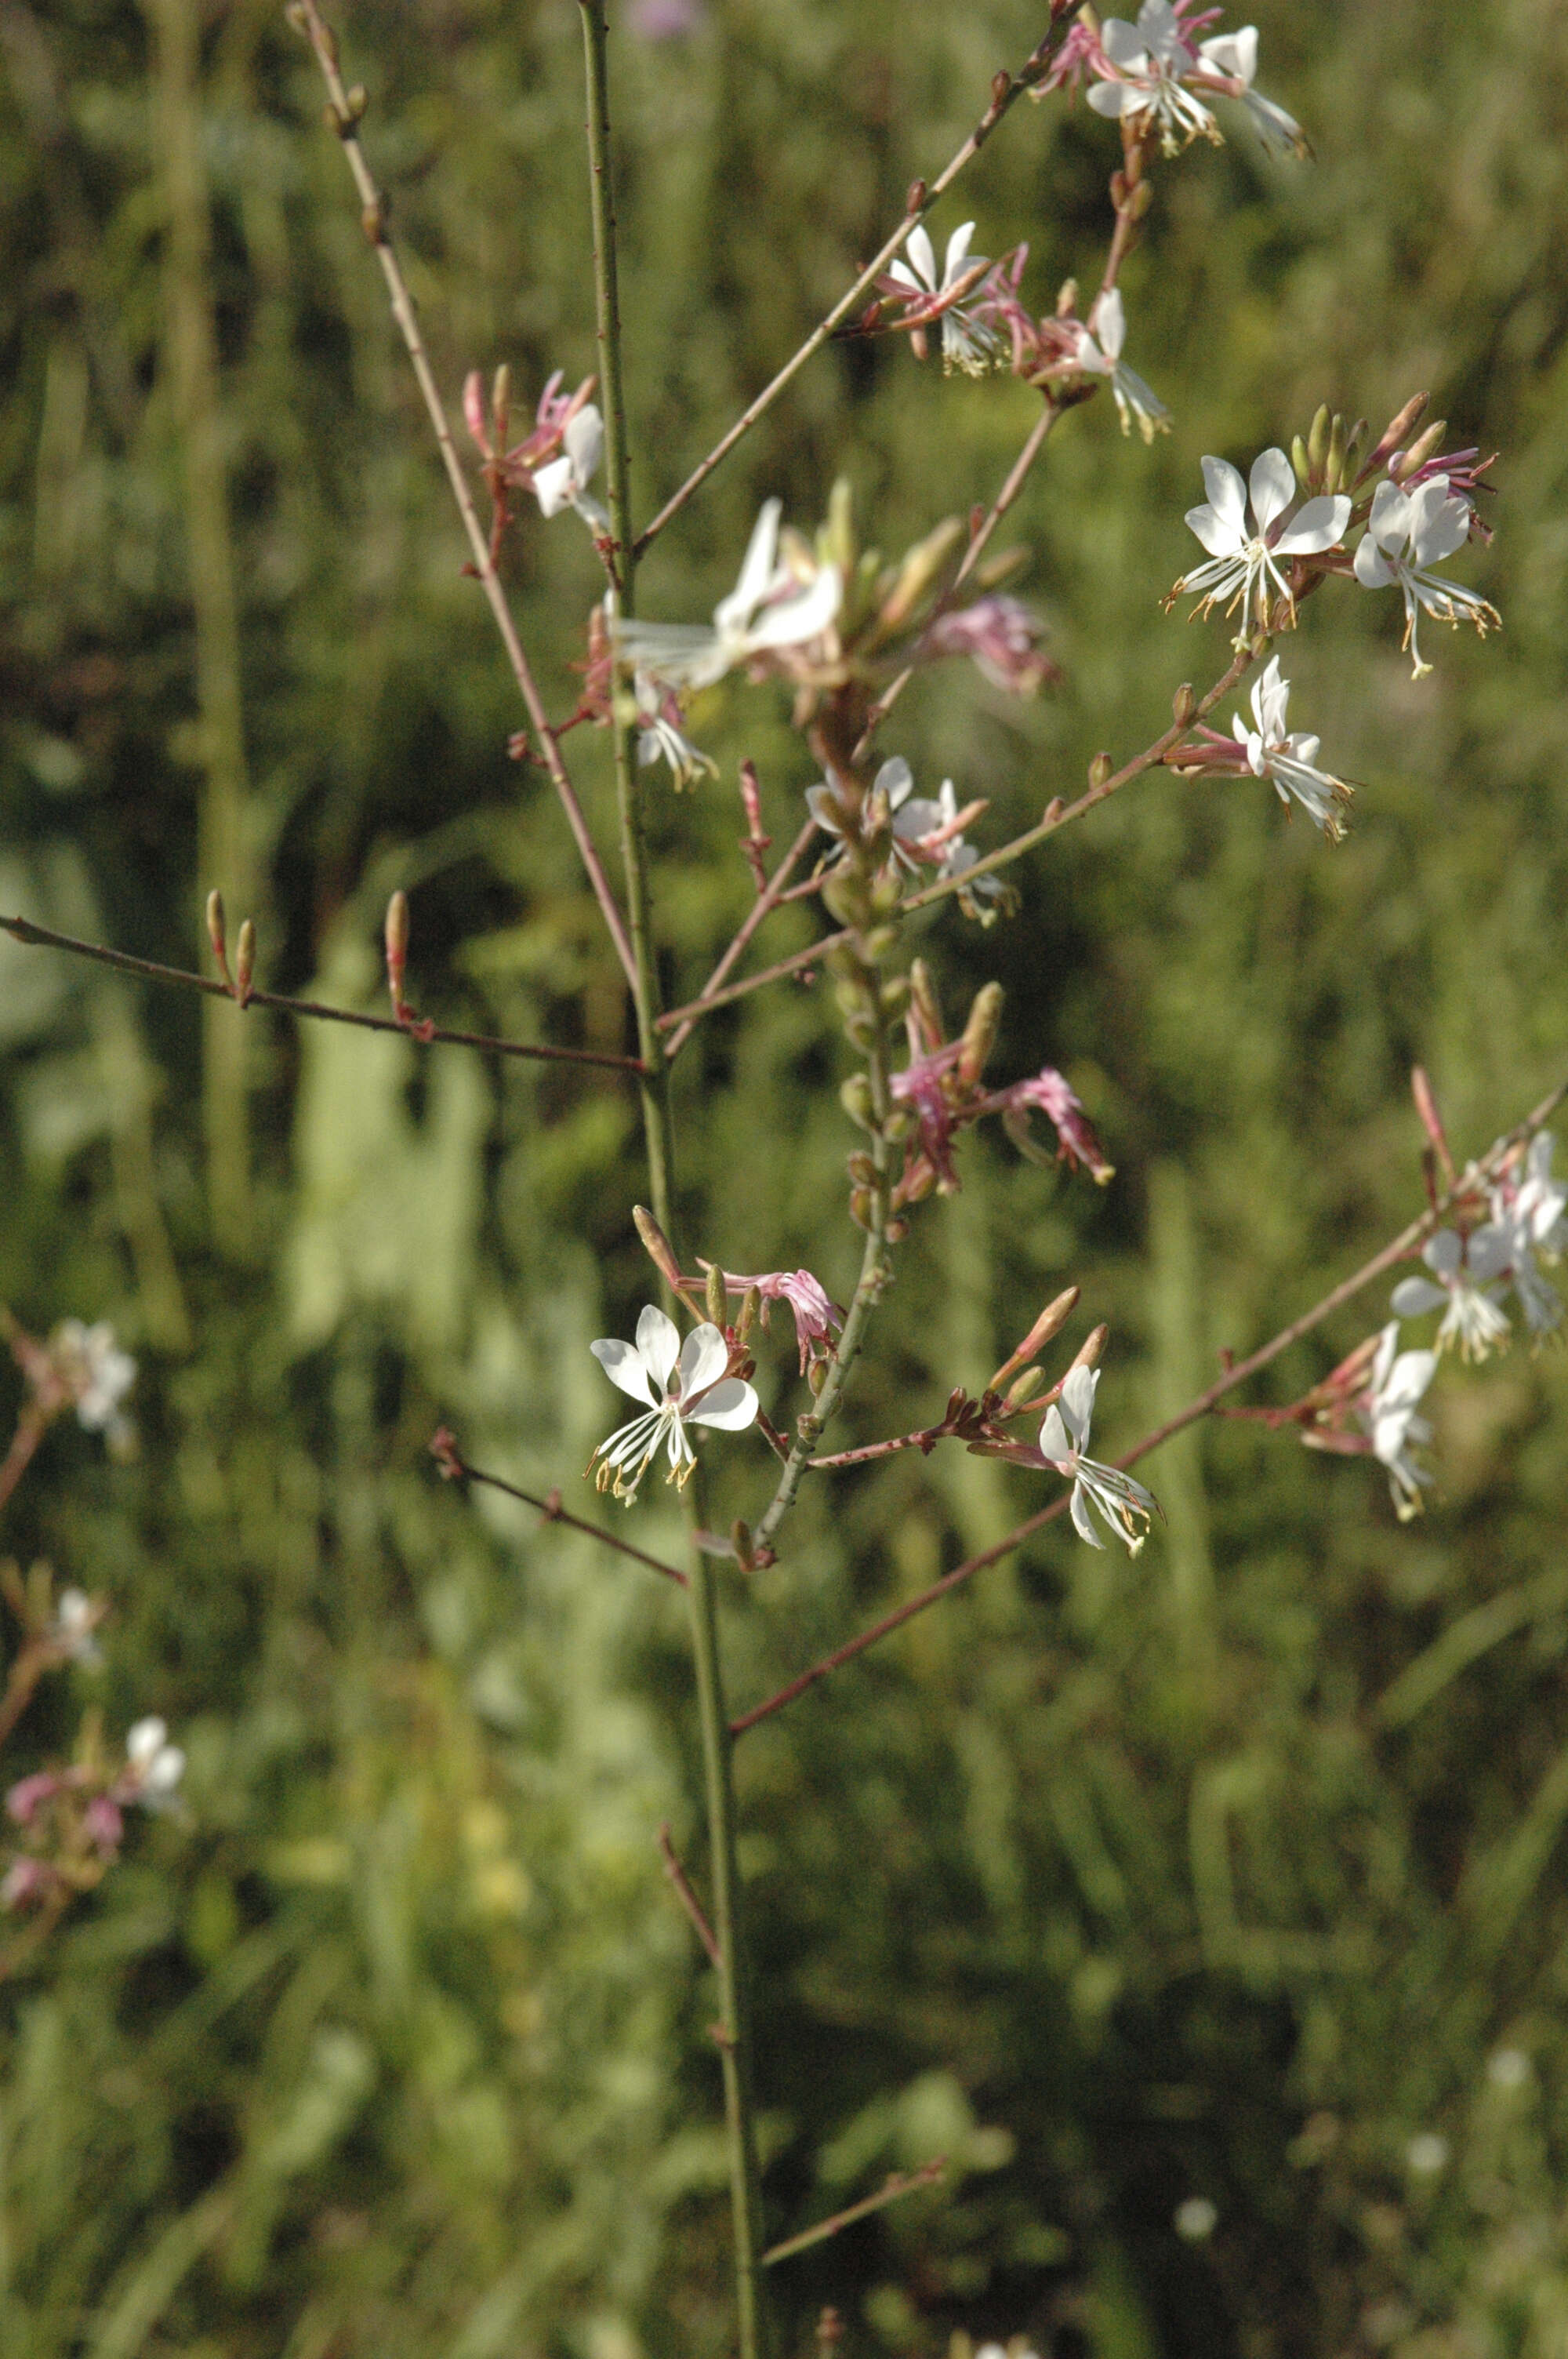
(397, 932)
(1420, 450)
(741, 1541)
(1393, 434)
(501, 403)
(1317, 445)
(244, 961)
(862, 1170)
(894, 997)
(1334, 465)
(1099, 771)
(926, 1006)
(749, 1307)
(844, 897)
(1023, 1391)
(1185, 706)
(916, 200)
(358, 99)
(1053, 811)
(1001, 87)
(1300, 460)
(817, 1370)
(1088, 1351)
(656, 1245)
(1142, 197)
(979, 1033)
(215, 932)
(1051, 1321)
(861, 1201)
(896, 1231)
(718, 1296)
(854, 997)
(919, 1184)
(855, 1097)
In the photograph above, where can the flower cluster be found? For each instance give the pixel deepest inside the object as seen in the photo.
(73, 1819)
(1149, 76)
(919, 835)
(1471, 1270)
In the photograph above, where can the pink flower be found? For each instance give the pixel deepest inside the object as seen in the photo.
(555, 414)
(815, 1314)
(1076, 1140)
(1002, 638)
(23, 1801)
(922, 1085)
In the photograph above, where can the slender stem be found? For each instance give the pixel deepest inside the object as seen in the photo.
(900, 2184)
(734, 2031)
(1408, 1240)
(764, 902)
(455, 1468)
(22, 930)
(923, 195)
(374, 217)
(31, 1427)
(681, 1884)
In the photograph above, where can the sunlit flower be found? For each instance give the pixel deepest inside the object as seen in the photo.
(1155, 67)
(95, 1372)
(925, 830)
(1076, 1142)
(681, 1384)
(1290, 761)
(1464, 1268)
(1064, 1438)
(1246, 563)
(967, 342)
(1408, 532)
(564, 481)
(1099, 354)
(153, 1769)
(1233, 56)
(769, 608)
(1398, 1381)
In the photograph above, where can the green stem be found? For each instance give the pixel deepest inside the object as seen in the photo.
(733, 2031)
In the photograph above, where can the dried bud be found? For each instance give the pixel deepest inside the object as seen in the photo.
(1431, 1121)
(1099, 771)
(718, 1296)
(741, 1541)
(918, 1185)
(244, 961)
(372, 220)
(1053, 811)
(896, 1231)
(1185, 706)
(861, 1201)
(1001, 87)
(862, 1170)
(916, 200)
(979, 1033)
(656, 1245)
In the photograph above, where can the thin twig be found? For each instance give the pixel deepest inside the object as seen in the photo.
(765, 901)
(455, 1468)
(307, 16)
(923, 196)
(1403, 1244)
(22, 930)
(687, 1898)
(901, 2182)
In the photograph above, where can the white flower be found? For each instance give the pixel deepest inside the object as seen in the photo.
(924, 830)
(1153, 61)
(1288, 761)
(966, 343)
(681, 1382)
(97, 1374)
(1528, 1213)
(659, 738)
(71, 1631)
(1064, 1438)
(1246, 563)
(154, 1767)
(1464, 1268)
(1099, 354)
(1389, 1416)
(564, 483)
(768, 608)
(1408, 532)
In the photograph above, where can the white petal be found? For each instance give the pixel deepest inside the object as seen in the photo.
(1272, 484)
(1082, 1522)
(658, 1341)
(1315, 527)
(704, 1356)
(1388, 523)
(144, 1740)
(731, 1405)
(1490, 1252)
(1370, 567)
(1114, 98)
(1232, 53)
(584, 440)
(1228, 495)
(957, 250)
(1123, 45)
(1108, 321)
(623, 1366)
(733, 614)
(1078, 1402)
(1054, 1443)
(796, 620)
(895, 779)
(554, 485)
(1220, 534)
(1414, 1297)
(907, 278)
(1442, 527)
(918, 247)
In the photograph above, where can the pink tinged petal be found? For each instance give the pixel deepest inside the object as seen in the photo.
(658, 1341)
(1315, 527)
(1413, 1297)
(1078, 1401)
(958, 251)
(732, 613)
(731, 1406)
(1272, 484)
(704, 1356)
(1082, 1522)
(918, 247)
(1054, 1443)
(474, 409)
(623, 1366)
(907, 278)
(796, 620)
(1370, 567)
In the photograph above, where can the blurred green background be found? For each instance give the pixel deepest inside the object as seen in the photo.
(1233, 1875)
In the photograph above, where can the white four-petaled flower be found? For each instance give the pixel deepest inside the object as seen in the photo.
(1408, 532)
(770, 607)
(1063, 1438)
(97, 1374)
(1153, 61)
(966, 343)
(1245, 563)
(1099, 354)
(564, 481)
(154, 1767)
(681, 1384)
(1464, 1269)
(1389, 1414)
(1290, 760)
